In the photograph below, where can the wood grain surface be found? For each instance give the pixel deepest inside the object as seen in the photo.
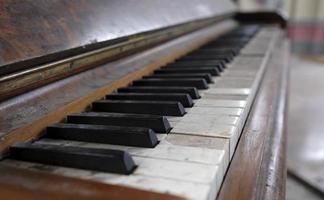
(24, 184)
(36, 32)
(258, 168)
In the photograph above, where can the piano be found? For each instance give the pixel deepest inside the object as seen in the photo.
(141, 100)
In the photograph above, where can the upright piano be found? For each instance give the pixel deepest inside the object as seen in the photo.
(141, 100)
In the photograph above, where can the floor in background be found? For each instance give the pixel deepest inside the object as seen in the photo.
(296, 190)
(306, 128)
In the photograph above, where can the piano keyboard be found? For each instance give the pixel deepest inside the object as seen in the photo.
(174, 131)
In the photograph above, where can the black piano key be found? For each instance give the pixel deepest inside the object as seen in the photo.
(226, 58)
(157, 123)
(229, 43)
(208, 78)
(209, 47)
(197, 64)
(192, 91)
(105, 160)
(245, 30)
(202, 62)
(235, 37)
(215, 51)
(203, 55)
(176, 70)
(238, 46)
(167, 108)
(231, 39)
(184, 99)
(192, 82)
(130, 136)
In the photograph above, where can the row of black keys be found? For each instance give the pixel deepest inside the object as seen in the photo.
(134, 115)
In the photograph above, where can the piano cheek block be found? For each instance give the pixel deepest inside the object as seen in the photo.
(105, 160)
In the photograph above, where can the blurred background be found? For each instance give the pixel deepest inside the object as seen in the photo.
(305, 153)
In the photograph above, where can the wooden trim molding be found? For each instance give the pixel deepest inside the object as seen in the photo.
(258, 167)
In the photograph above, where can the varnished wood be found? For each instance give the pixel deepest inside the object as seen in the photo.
(258, 169)
(26, 116)
(37, 32)
(24, 184)
(25, 80)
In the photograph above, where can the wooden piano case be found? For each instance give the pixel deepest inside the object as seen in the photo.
(41, 43)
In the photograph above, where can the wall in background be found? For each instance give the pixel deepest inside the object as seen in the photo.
(306, 27)
(306, 21)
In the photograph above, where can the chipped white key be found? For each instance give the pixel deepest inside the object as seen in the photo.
(202, 128)
(200, 142)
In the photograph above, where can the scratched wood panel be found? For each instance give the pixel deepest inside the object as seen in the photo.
(52, 30)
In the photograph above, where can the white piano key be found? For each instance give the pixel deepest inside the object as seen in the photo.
(215, 110)
(190, 190)
(232, 82)
(202, 128)
(226, 97)
(260, 44)
(164, 150)
(148, 159)
(217, 119)
(200, 142)
(210, 102)
(239, 73)
(237, 91)
(177, 170)
(226, 93)
(246, 63)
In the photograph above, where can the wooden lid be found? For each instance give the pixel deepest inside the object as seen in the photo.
(50, 30)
